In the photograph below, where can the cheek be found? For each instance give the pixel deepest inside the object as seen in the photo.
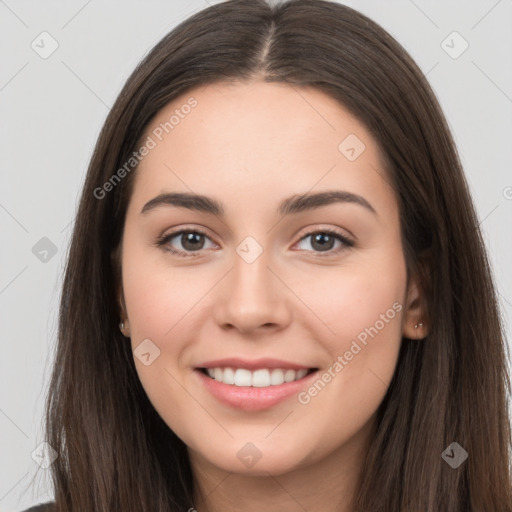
(159, 297)
(358, 320)
(159, 303)
(160, 306)
(360, 299)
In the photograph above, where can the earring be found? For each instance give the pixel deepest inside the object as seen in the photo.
(418, 325)
(122, 329)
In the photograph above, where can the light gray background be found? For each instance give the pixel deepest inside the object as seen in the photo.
(51, 114)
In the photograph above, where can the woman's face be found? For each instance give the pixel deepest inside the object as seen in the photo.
(264, 282)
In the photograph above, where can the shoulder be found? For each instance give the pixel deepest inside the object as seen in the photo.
(44, 507)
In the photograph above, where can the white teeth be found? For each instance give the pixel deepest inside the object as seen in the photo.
(276, 377)
(242, 377)
(289, 376)
(300, 374)
(261, 378)
(228, 376)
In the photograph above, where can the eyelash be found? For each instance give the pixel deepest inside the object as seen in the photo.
(163, 240)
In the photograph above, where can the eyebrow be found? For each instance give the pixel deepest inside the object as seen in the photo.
(292, 205)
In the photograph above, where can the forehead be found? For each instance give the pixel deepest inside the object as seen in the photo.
(257, 138)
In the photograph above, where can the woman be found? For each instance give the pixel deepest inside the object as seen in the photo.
(277, 295)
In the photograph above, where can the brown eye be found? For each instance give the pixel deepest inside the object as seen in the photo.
(185, 242)
(325, 242)
(322, 242)
(192, 241)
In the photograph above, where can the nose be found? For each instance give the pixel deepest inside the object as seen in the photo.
(253, 298)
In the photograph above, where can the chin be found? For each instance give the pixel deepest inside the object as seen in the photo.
(255, 459)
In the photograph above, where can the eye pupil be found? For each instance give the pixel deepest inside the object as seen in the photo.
(192, 238)
(325, 241)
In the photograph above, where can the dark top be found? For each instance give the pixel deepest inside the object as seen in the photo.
(44, 507)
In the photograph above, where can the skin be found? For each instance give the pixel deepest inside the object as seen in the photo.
(287, 304)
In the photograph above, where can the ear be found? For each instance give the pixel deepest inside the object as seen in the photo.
(124, 324)
(123, 315)
(414, 324)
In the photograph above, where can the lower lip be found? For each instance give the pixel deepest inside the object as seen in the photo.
(249, 398)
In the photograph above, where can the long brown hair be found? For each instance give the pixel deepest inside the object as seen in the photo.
(116, 453)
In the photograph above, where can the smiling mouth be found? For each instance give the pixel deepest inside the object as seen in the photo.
(260, 378)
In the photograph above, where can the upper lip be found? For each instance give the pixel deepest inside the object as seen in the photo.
(255, 364)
